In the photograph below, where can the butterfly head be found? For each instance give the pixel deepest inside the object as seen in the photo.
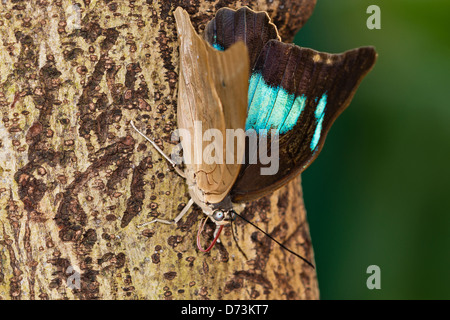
(223, 217)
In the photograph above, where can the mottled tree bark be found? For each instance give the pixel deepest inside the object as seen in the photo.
(76, 180)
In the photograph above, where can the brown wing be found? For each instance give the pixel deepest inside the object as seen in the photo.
(253, 28)
(213, 89)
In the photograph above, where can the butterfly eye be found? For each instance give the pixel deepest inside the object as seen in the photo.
(218, 215)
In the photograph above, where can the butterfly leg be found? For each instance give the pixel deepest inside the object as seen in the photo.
(174, 165)
(174, 221)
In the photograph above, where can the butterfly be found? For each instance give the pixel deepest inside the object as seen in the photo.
(242, 77)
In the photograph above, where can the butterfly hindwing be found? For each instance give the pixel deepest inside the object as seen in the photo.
(297, 91)
(300, 92)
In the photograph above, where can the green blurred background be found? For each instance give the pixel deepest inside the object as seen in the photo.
(378, 193)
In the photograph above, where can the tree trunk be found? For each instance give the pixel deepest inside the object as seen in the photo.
(76, 180)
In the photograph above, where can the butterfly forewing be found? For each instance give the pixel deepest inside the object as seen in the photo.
(212, 97)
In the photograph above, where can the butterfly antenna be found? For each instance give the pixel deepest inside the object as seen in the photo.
(278, 242)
